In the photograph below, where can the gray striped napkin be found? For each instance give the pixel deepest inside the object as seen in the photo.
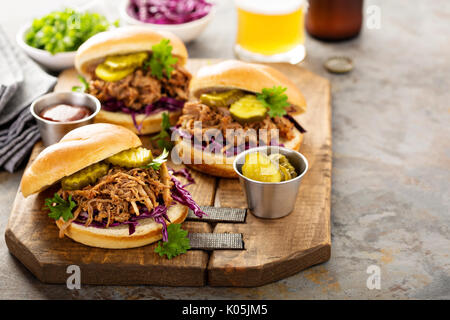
(21, 82)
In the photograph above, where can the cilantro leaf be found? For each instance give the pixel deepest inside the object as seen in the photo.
(84, 85)
(60, 208)
(275, 100)
(177, 243)
(164, 144)
(158, 161)
(161, 60)
(163, 136)
(165, 123)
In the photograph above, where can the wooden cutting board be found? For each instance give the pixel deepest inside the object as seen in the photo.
(274, 249)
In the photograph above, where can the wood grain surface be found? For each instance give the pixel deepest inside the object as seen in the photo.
(279, 248)
(274, 249)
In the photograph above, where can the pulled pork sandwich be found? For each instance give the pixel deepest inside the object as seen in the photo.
(238, 106)
(137, 74)
(111, 192)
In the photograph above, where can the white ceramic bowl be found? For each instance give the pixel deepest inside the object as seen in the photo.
(185, 31)
(53, 62)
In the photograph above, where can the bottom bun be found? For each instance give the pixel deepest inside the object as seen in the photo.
(217, 164)
(150, 124)
(147, 231)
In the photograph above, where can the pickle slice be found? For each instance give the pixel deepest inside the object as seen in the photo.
(259, 167)
(106, 73)
(278, 158)
(131, 158)
(133, 60)
(286, 175)
(221, 99)
(291, 170)
(84, 177)
(284, 164)
(115, 68)
(248, 109)
(289, 167)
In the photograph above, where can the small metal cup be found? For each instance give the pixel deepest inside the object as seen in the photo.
(272, 200)
(51, 131)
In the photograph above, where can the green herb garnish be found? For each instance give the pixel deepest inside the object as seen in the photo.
(84, 85)
(60, 208)
(63, 31)
(163, 137)
(275, 100)
(161, 60)
(156, 163)
(177, 243)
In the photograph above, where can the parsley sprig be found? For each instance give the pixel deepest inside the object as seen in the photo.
(177, 243)
(163, 137)
(60, 208)
(84, 85)
(161, 60)
(275, 100)
(156, 163)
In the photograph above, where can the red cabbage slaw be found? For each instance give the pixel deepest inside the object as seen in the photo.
(163, 104)
(185, 173)
(182, 196)
(159, 214)
(168, 11)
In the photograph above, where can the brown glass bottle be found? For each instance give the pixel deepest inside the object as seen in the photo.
(334, 20)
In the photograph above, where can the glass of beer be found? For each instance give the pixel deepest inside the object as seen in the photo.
(270, 30)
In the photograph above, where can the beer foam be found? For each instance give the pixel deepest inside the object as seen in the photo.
(270, 7)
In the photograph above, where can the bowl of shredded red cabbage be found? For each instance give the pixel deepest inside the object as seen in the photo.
(185, 18)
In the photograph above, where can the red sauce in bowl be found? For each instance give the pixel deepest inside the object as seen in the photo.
(65, 113)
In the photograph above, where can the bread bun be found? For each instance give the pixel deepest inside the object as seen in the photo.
(233, 74)
(147, 231)
(218, 164)
(149, 124)
(78, 149)
(124, 40)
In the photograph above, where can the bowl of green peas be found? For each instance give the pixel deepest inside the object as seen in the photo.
(53, 40)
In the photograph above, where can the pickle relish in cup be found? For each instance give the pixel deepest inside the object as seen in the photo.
(270, 177)
(272, 168)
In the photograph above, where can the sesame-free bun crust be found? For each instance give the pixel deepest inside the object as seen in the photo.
(217, 164)
(252, 77)
(78, 149)
(124, 40)
(148, 231)
(149, 124)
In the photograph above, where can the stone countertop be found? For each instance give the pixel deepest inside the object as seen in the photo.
(391, 161)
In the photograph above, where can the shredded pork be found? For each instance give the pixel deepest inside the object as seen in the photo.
(118, 195)
(140, 88)
(178, 84)
(220, 119)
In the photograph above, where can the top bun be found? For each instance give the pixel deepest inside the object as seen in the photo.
(252, 77)
(124, 40)
(78, 149)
